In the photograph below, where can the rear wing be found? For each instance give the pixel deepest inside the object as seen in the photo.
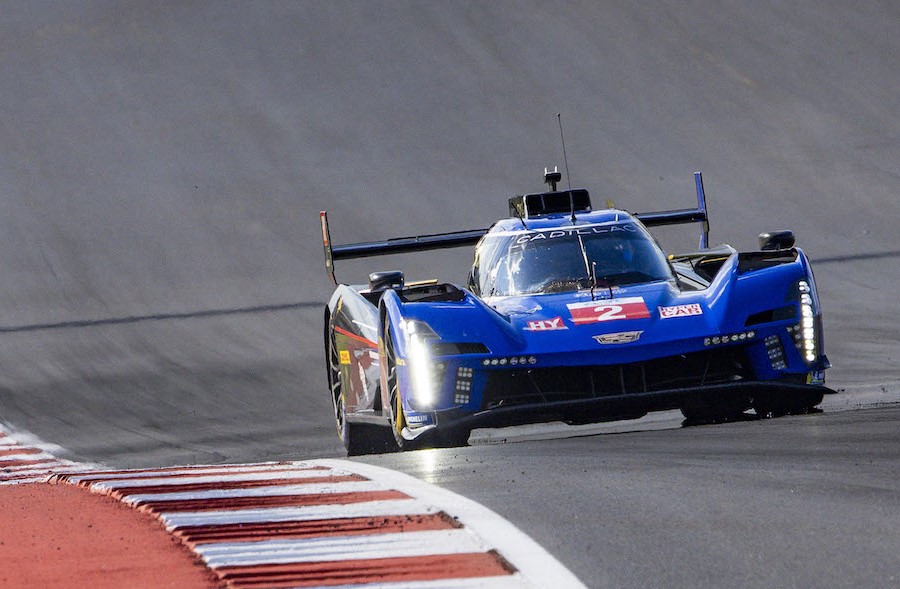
(396, 245)
(697, 215)
(403, 245)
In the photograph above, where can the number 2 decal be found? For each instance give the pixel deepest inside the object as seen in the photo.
(610, 313)
(624, 308)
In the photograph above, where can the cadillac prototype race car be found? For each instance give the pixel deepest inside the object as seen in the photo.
(570, 314)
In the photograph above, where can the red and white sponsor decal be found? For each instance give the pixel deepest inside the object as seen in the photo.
(546, 325)
(609, 310)
(680, 311)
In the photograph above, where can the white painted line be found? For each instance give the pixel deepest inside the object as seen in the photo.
(37, 456)
(526, 555)
(37, 469)
(220, 469)
(27, 439)
(23, 481)
(115, 484)
(285, 514)
(273, 491)
(44, 465)
(514, 581)
(341, 548)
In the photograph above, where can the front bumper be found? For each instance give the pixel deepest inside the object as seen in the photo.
(739, 395)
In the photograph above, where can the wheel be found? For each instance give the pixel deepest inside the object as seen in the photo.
(397, 415)
(778, 406)
(716, 413)
(357, 438)
(703, 414)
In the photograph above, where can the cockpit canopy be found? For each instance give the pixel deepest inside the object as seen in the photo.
(560, 259)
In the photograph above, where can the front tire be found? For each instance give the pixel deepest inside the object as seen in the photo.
(716, 411)
(395, 401)
(357, 438)
(772, 405)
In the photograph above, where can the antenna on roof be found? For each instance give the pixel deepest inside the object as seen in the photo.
(562, 140)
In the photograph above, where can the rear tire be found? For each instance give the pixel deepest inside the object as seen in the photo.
(357, 438)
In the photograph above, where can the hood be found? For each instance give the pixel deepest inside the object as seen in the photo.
(636, 315)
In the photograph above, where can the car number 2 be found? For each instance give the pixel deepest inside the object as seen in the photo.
(617, 310)
(609, 312)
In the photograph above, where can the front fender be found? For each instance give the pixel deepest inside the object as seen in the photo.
(469, 320)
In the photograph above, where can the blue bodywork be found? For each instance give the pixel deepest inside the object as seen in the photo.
(713, 333)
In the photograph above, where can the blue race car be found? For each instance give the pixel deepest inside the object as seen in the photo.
(570, 314)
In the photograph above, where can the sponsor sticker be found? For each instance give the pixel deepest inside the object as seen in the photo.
(680, 311)
(623, 337)
(816, 377)
(554, 324)
(570, 231)
(345, 356)
(609, 310)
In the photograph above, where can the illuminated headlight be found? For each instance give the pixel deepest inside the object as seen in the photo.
(805, 334)
(421, 365)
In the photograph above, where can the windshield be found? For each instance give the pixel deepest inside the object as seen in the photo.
(552, 260)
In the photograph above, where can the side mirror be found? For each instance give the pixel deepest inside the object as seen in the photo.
(776, 240)
(385, 280)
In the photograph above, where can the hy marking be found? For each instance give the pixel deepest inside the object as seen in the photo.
(546, 325)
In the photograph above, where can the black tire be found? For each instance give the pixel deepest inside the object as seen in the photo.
(706, 414)
(395, 404)
(777, 406)
(714, 413)
(357, 438)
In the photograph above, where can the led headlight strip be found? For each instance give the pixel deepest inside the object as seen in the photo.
(729, 339)
(804, 333)
(514, 361)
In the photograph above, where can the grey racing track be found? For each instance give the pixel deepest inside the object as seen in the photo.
(162, 167)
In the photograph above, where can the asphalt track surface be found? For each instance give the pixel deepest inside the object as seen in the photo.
(162, 170)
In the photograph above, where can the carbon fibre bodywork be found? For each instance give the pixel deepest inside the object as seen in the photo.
(712, 333)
